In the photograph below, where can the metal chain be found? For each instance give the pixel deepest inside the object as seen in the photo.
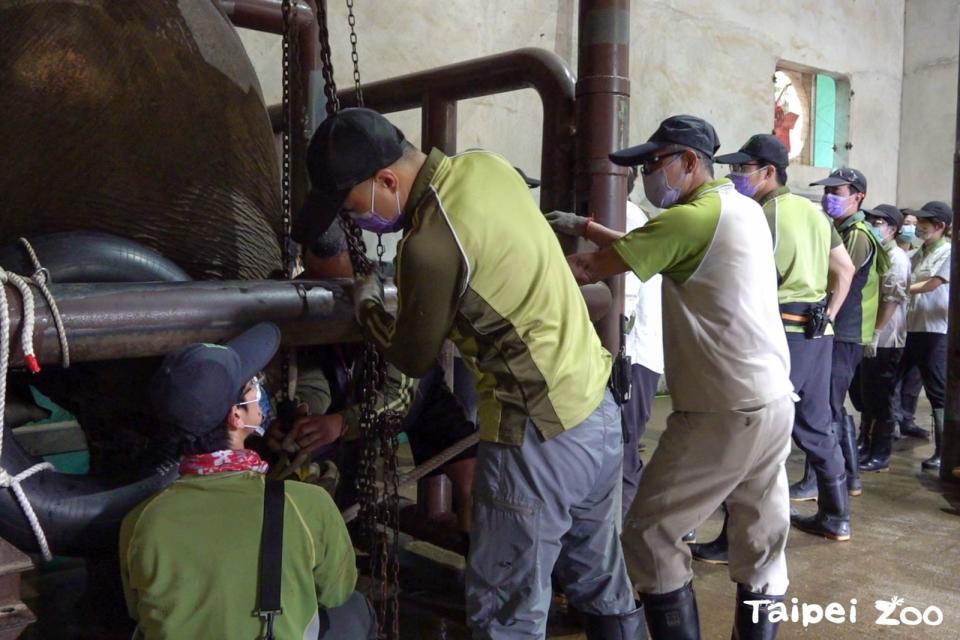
(352, 21)
(326, 63)
(379, 433)
(286, 395)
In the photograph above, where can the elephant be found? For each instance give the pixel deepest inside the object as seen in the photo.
(143, 119)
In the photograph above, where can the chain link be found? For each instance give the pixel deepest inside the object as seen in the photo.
(379, 433)
(285, 193)
(352, 21)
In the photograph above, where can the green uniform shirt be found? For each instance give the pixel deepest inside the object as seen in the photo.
(802, 240)
(857, 318)
(189, 558)
(479, 264)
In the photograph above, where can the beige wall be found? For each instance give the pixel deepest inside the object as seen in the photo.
(707, 58)
(932, 29)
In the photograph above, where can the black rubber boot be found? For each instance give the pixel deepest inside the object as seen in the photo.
(672, 616)
(806, 489)
(909, 429)
(715, 551)
(933, 462)
(628, 626)
(881, 444)
(832, 520)
(867, 425)
(848, 445)
(744, 627)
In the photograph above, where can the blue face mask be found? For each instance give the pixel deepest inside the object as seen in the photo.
(908, 233)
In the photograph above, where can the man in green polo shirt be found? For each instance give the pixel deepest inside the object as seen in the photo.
(727, 367)
(814, 273)
(843, 195)
(478, 264)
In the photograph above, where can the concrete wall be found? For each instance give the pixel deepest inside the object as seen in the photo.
(712, 59)
(932, 37)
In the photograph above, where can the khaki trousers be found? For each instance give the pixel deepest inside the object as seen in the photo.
(703, 460)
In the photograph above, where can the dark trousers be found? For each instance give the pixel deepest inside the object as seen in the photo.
(907, 395)
(878, 383)
(928, 353)
(846, 358)
(636, 414)
(810, 363)
(438, 417)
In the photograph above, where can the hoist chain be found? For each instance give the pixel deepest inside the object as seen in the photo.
(352, 21)
(285, 407)
(379, 432)
(326, 63)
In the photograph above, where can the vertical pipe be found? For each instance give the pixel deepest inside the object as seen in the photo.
(950, 455)
(438, 118)
(603, 108)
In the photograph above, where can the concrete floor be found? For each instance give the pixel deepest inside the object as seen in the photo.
(906, 543)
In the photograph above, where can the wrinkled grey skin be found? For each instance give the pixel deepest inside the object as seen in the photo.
(142, 118)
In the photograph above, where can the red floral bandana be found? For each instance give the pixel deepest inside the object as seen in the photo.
(205, 464)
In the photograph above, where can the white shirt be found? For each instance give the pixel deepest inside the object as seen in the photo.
(644, 343)
(895, 287)
(927, 312)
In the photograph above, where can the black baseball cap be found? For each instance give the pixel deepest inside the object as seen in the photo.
(888, 212)
(196, 385)
(347, 148)
(935, 210)
(687, 131)
(532, 183)
(764, 147)
(842, 176)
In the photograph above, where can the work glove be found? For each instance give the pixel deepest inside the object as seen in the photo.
(367, 293)
(569, 224)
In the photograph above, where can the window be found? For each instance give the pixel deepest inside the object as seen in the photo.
(811, 113)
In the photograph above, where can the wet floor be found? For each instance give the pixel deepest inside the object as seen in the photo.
(905, 546)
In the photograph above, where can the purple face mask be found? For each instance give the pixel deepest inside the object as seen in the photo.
(834, 205)
(741, 182)
(373, 222)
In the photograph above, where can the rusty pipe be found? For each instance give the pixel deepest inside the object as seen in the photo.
(306, 82)
(950, 453)
(438, 90)
(603, 109)
(115, 321)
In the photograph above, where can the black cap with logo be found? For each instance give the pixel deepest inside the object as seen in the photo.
(935, 210)
(687, 131)
(888, 212)
(196, 385)
(842, 176)
(762, 147)
(347, 148)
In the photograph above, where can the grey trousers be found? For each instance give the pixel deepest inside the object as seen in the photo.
(703, 460)
(546, 505)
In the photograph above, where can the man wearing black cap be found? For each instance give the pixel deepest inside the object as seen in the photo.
(927, 311)
(479, 264)
(189, 555)
(727, 369)
(879, 369)
(814, 273)
(855, 323)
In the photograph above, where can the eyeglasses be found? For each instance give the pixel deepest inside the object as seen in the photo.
(256, 382)
(649, 166)
(740, 168)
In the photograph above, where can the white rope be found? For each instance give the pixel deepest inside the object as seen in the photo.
(6, 480)
(40, 278)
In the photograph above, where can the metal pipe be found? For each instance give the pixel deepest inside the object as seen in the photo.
(603, 109)
(950, 453)
(528, 68)
(438, 118)
(267, 16)
(115, 321)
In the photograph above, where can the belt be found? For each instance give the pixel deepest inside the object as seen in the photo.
(793, 317)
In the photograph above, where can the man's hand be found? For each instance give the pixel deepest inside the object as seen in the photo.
(870, 350)
(569, 224)
(312, 432)
(367, 292)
